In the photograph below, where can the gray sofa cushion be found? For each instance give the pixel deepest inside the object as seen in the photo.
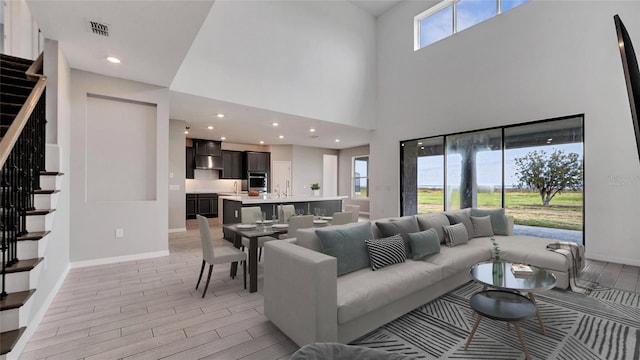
(436, 221)
(424, 243)
(363, 291)
(455, 260)
(464, 219)
(482, 226)
(456, 234)
(403, 226)
(347, 246)
(498, 219)
(531, 250)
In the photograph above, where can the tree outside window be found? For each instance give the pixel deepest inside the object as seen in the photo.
(360, 183)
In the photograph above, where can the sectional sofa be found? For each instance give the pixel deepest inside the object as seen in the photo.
(307, 300)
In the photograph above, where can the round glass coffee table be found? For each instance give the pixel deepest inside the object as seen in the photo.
(498, 275)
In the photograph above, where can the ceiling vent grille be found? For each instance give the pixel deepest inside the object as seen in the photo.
(99, 28)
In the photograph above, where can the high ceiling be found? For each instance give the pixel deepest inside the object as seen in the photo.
(152, 39)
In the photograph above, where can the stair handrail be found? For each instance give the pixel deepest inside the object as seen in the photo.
(11, 136)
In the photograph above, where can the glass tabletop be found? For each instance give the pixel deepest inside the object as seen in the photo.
(498, 275)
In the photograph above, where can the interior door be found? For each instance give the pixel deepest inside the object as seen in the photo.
(329, 175)
(280, 174)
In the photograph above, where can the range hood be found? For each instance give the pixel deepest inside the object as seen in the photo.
(208, 162)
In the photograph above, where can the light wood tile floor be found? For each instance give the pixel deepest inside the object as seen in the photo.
(149, 309)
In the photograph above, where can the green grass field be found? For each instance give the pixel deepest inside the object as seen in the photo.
(565, 211)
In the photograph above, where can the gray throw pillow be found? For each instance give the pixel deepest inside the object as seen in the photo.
(463, 219)
(498, 219)
(456, 234)
(436, 221)
(385, 252)
(424, 243)
(347, 246)
(403, 226)
(482, 226)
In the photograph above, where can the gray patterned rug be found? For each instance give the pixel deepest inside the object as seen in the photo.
(603, 325)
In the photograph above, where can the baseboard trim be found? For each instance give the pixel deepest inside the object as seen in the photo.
(35, 322)
(117, 259)
(177, 230)
(613, 259)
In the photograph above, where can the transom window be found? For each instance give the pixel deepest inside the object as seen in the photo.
(360, 183)
(451, 16)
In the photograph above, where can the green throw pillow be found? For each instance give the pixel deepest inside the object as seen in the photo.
(498, 219)
(347, 245)
(424, 243)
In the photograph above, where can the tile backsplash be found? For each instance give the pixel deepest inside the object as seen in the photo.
(209, 181)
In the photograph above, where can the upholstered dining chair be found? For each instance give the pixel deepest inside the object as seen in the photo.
(355, 210)
(287, 212)
(250, 215)
(340, 218)
(298, 222)
(215, 255)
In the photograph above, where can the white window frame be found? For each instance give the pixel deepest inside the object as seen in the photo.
(436, 8)
(353, 176)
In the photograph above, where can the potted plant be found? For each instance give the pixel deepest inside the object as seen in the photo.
(315, 187)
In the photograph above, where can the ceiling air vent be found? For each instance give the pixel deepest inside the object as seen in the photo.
(98, 28)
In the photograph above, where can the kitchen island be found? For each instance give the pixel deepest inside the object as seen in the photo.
(231, 205)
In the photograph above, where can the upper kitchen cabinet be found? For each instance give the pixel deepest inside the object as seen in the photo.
(232, 165)
(190, 163)
(258, 161)
(207, 147)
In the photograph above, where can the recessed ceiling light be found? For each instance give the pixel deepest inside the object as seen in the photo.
(186, 131)
(210, 127)
(275, 124)
(261, 142)
(312, 130)
(220, 116)
(113, 60)
(419, 143)
(223, 138)
(281, 137)
(337, 140)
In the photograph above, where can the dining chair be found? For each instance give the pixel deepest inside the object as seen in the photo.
(287, 212)
(215, 255)
(298, 222)
(250, 215)
(340, 218)
(355, 210)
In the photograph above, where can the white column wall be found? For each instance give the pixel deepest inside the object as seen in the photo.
(542, 60)
(93, 223)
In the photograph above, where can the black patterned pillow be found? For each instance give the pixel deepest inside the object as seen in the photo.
(386, 251)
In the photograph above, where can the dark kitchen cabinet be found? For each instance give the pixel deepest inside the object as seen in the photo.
(203, 204)
(232, 165)
(191, 206)
(258, 161)
(207, 147)
(190, 163)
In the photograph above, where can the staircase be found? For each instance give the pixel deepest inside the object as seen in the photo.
(27, 193)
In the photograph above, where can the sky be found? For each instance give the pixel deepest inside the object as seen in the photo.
(430, 168)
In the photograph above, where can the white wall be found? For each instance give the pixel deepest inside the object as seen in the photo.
(177, 170)
(345, 167)
(21, 31)
(541, 60)
(309, 58)
(93, 223)
(307, 167)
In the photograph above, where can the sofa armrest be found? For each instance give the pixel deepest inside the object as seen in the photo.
(509, 224)
(300, 292)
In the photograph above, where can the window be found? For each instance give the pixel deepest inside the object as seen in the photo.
(533, 170)
(360, 184)
(452, 16)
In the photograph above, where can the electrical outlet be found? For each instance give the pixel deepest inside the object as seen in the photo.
(119, 233)
(236, 213)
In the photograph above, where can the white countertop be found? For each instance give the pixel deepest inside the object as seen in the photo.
(272, 199)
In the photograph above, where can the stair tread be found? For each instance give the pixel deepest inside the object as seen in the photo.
(39, 212)
(36, 235)
(23, 265)
(10, 339)
(16, 59)
(50, 173)
(15, 300)
(45, 192)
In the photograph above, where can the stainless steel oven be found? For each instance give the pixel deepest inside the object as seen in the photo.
(257, 181)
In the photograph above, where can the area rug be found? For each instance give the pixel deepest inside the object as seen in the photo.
(602, 325)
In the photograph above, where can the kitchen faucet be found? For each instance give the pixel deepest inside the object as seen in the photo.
(286, 191)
